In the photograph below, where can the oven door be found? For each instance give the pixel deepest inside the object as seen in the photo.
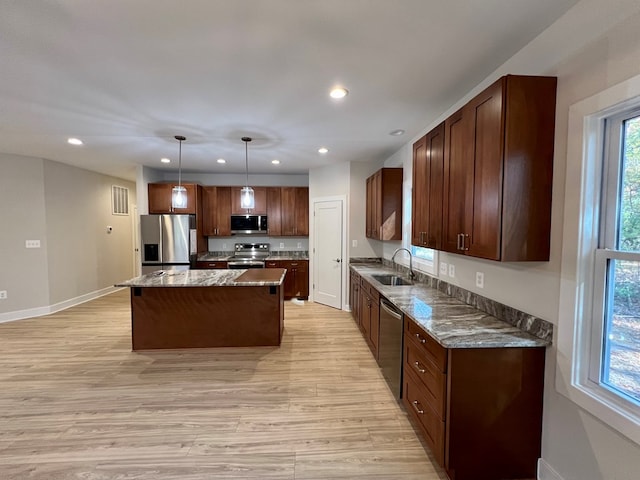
(239, 264)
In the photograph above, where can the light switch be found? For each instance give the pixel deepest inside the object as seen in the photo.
(452, 270)
(32, 243)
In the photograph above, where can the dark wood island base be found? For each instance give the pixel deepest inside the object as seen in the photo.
(233, 309)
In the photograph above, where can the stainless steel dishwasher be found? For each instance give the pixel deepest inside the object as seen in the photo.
(390, 345)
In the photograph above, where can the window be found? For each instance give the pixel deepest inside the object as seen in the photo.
(424, 259)
(616, 364)
(598, 361)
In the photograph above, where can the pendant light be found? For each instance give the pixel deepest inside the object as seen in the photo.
(179, 193)
(247, 200)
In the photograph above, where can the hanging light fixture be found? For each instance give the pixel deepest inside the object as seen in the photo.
(247, 200)
(179, 193)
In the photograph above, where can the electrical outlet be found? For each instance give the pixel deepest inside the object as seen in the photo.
(443, 268)
(281, 244)
(354, 243)
(299, 244)
(32, 243)
(479, 279)
(3, 294)
(452, 270)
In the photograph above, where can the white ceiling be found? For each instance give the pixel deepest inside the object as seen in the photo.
(125, 76)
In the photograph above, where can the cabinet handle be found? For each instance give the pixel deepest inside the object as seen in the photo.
(418, 367)
(459, 246)
(465, 237)
(420, 339)
(415, 404)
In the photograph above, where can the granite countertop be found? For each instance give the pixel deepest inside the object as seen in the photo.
(450, 322)
(209, 278)
(224, 256)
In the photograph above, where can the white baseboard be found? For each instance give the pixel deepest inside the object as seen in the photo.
(545, 472)
(56, 307)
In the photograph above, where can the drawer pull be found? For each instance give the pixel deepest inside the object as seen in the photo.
(420, 339)
(420, 369)
(415, 404)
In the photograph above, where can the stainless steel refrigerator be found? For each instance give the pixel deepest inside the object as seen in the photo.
(168, 242)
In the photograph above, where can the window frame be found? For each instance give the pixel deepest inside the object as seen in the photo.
(584, 262)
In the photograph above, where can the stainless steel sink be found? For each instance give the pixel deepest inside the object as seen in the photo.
(393, 280)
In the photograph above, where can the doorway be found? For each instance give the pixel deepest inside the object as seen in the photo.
(328, 246)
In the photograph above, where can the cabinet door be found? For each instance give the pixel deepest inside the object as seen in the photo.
(374, 331)
(209, 203)
(302, 211)
(458, 181)
(369, 208)
(435, 184)
(302, 278)
(365, 312)
(288, 199)
(159, 197)
(274, 212)
(377, 193)
(260, 197)
(419, 193)
(485, 113)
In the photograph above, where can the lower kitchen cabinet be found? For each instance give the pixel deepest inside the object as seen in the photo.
(296, 280)
(369, 314)
(478, 409)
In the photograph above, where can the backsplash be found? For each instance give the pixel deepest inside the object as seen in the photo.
(524, 321)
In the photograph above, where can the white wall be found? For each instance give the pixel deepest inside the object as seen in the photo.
(68, 210)
(23, 272)
(594, 46)
(366, 247)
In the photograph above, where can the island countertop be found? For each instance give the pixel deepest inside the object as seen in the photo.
(450, 322)
(256, 277)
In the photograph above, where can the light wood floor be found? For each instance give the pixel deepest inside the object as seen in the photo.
(76, 403)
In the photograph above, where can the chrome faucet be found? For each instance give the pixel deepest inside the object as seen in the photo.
(411, 274)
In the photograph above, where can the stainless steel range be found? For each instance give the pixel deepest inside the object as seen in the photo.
(249, 255)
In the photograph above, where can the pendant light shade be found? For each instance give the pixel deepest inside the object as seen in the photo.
(179, 193)
(247, 199)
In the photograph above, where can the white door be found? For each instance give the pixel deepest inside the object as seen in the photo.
(327, 255)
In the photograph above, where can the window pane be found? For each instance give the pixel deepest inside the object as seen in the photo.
(424, 253)
(621, 365)
(629, 223)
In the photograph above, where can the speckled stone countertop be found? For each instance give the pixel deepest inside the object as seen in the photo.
(275, 255)
(204, 278)
(449, 321)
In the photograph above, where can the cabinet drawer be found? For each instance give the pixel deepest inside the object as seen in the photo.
(417, 404)
(273, 264)
(217, 264)
(431, 349)
(431, 377)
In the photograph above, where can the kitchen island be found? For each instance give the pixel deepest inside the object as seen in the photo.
(207, 308)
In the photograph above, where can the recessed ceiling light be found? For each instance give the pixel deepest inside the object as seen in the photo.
(165, 160)
(74, 141)
(323, 150)
(397, 133)
(221, 160)
(275, 162)
(338, 92)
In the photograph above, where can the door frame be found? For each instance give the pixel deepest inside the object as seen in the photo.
(345, 261)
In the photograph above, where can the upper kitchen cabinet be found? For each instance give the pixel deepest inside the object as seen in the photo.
(260, 197)
(294, 211)
(274, 211)
(159, 195)
(428, 182)
(498, 164)
(384, 205)
(216, 211)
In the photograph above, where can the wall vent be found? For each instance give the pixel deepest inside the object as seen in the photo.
(119, 200)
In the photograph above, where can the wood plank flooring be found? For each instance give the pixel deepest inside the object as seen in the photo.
(77, 403)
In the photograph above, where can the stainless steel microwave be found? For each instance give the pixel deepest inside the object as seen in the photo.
(249, 224)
